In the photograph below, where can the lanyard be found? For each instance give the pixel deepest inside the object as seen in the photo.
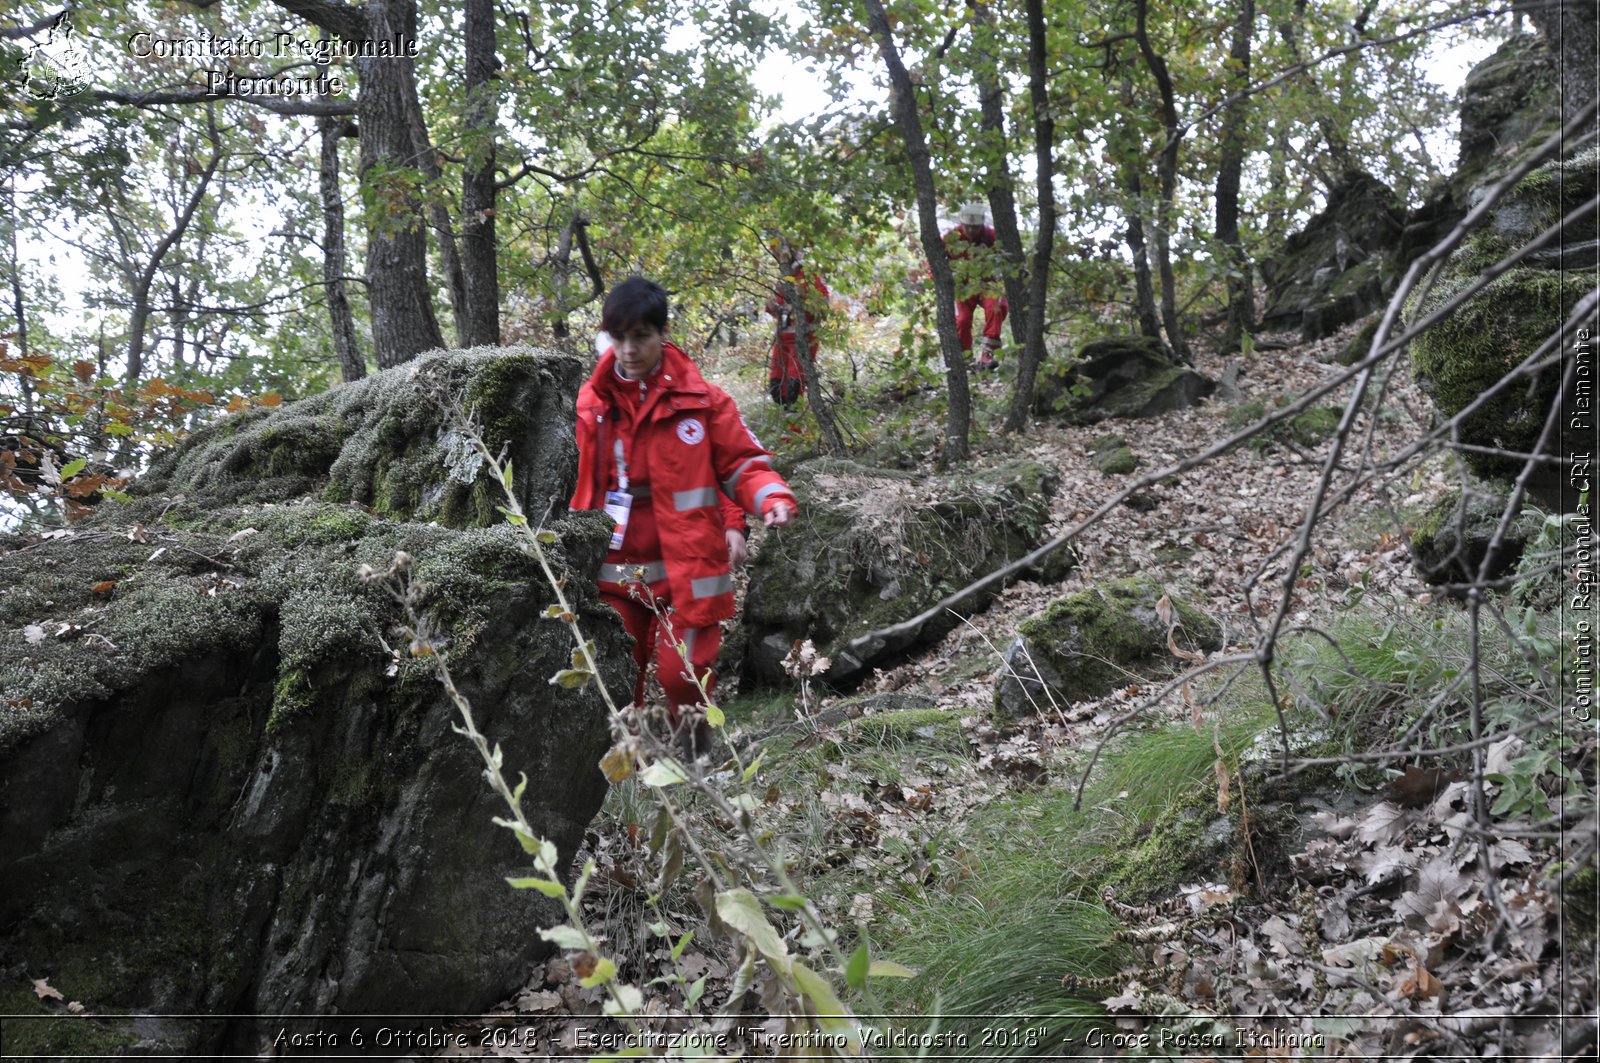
(622, 463)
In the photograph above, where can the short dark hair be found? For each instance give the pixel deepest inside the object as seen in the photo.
(636, 301)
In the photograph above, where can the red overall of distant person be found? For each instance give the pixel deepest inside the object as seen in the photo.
(973, 238)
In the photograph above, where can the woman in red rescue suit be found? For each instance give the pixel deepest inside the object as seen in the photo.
(663, 452)
(786, 380)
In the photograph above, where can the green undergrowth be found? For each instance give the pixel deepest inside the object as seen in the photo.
(1022, 905)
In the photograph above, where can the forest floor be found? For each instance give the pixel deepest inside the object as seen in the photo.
(1389, 923)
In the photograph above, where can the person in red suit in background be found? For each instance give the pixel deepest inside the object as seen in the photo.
(977, 284)
(668, 457)
(784, 373)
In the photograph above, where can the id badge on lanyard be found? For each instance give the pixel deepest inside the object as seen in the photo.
(619, 503)
(618, 506)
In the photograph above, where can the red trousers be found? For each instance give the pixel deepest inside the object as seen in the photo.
(994, 314)
(650, 635)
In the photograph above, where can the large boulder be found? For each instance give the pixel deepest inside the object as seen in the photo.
(221, 796)
(1125, 377)
(1472, 349)
(1336, 270)
(1088, 644)
(878, 547)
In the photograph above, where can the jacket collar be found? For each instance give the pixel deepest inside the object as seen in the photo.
(677, 374)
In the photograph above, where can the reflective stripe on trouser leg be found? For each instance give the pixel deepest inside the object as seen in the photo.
(702, 644)
(711, 586)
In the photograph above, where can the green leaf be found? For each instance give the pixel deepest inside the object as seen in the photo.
(546, 538)
(829, 1007)
(692, 997)
(604, 973)
(517, 519)
(683, 943)
(117, 428)
(740, 910)
(566, 937)
(715, 716)
(789, 902)
(663, 773)
(571, 678)
(548, 887)
(889, 969)
(505, 477)
(755, 766)
(855, 972)
(73, 468)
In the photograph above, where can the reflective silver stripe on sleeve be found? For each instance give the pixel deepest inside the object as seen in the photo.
(731, 484)
(711, 586)
(694, 498)
(648, 571)
(770, 489)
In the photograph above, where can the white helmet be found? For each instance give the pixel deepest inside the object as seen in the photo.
(972, 213)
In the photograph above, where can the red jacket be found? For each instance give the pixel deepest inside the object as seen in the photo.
(699, 452)
(783, 364)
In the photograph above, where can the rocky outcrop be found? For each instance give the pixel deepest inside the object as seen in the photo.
(1088, 644)
(1462, 361)
(878, 547)
(1338, 269)
(1118, 377)
(220, 795)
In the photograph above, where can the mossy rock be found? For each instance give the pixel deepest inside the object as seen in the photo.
(1479, 343)
(1451, 540)
(1360, 344)
(1090, 643)
(1118, 462)
(877, 547)
(1306, 429)
(1336, 269)
(1509, 102)
(1112, 455)
(216, 786)
(1127, 377)
(386, 443)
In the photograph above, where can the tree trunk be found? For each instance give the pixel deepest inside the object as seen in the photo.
(444, 233)
(1332, 132)
(1044, 161)
(959, 423)
(398, 293)
(479, 268)
(794, 297)
(403, 321)
(352, 365)
(1167, 170)
(1241, 293)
